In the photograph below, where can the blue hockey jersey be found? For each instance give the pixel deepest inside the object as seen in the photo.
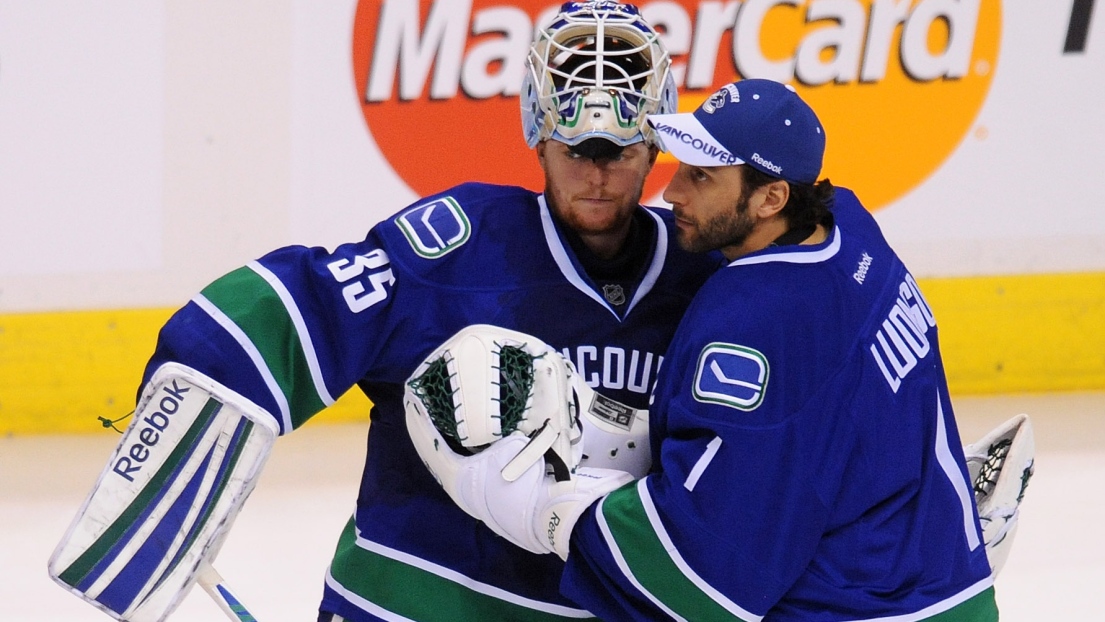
(806, 462)
(295, 329)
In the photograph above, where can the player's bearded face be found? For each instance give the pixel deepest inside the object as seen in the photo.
(594, 196)
(707, 218)
(726, 228)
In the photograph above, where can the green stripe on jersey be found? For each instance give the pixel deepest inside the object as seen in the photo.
(651, 565)
(648, 562)
(980, 608)
(412, 592)
(255, 307)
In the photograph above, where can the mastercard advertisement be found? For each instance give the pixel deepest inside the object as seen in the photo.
(433, 76)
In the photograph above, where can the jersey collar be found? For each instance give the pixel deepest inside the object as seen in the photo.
(568, 268)
(814, 253)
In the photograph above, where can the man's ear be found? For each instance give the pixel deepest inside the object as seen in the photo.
(774, 197)
(653, 153)
(541, 154)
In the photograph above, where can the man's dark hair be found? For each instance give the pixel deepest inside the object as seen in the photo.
(808, 205)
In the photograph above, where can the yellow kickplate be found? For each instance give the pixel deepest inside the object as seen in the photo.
(60, 372)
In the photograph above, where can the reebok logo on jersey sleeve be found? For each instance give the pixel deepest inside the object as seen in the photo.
(435, 228)
(861, 269)
(731, 375)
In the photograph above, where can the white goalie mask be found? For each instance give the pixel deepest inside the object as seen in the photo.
(596, 71)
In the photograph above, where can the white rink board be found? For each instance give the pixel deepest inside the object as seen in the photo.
(999, 205)
(81, 137)
(201, 135)
(278, 550)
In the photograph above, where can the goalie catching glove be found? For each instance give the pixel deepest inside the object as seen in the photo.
(494, 414)
(1001, 464)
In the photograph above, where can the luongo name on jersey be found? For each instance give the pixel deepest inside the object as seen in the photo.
(298, 327)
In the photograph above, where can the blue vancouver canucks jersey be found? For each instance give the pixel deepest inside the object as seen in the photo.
(295, 329)
(806, 462)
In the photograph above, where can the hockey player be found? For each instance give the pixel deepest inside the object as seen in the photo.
(806, 461)
(812, 468)
(582, 265)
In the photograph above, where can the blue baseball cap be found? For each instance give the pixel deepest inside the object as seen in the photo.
(761, 123)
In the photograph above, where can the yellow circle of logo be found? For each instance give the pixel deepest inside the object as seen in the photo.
(896, 83)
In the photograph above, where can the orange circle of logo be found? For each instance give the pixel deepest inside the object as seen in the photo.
(897, 85)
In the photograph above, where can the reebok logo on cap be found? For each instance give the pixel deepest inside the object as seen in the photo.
(768, 164)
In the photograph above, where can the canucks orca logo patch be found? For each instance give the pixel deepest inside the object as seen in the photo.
(731, 375)
(435, 228)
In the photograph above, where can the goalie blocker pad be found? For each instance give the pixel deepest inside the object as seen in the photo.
(166, 499)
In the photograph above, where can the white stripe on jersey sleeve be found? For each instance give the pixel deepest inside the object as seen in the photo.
(254, 355)
(955, 476)
(300, 328)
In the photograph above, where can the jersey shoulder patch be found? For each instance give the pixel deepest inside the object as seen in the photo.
(440, 224)
(435, 227)
(731, 375)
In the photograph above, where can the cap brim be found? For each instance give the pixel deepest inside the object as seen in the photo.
(689, 142)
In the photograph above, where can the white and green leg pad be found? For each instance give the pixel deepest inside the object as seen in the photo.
(166, 499)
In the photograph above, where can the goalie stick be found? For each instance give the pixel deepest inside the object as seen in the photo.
(212, 583)
(164, 503)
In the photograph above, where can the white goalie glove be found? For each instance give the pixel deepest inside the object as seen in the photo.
(1000, 465)
(486, 382)
(494, 414)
